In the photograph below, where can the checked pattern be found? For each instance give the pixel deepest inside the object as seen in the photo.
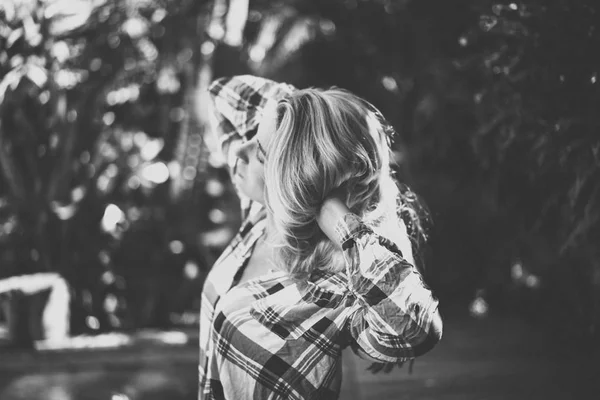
(276, 338)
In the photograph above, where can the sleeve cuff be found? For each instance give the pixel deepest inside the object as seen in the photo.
(348, 228)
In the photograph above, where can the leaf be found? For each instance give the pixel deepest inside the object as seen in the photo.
(301, 32)
(266, 38)
(9, 170)
(236, 22)
(32, 31)
(9, 10)
(281, 36)
(151, 148)
(11, 79)
(135, 27)
(37, 75)
(64, 212)
(590, 218)
(68, 15)
(14, 36)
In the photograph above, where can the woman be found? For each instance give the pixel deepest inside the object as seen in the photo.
(316, 265)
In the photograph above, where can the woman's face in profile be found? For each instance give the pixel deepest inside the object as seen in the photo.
(249, 171)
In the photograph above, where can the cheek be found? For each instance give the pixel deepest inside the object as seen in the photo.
(253, 183)
(256, 170)
(258, 177)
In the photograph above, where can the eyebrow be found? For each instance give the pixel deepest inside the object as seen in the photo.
(261, 149)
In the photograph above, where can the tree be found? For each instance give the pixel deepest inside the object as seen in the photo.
(536, 142)
(103, 154)
(493, 102)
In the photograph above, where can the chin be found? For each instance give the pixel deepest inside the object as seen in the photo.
(251, 196)
(257, 199)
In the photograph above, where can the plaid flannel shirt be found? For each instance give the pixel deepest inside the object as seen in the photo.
(276, 338)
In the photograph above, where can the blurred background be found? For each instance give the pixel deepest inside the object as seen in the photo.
(112, 210)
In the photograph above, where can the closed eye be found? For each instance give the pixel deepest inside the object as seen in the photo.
(261, 154)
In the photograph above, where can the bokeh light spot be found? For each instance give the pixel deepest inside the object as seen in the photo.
(191, 270)
(112, 217)
(92, 322)
(176, 247)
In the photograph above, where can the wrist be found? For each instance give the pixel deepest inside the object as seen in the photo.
(332, 211)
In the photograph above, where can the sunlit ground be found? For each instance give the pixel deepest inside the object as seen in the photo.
(489, 359)
(149, 365)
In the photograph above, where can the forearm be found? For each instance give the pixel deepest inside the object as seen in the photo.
(397, 316)
(409, 340)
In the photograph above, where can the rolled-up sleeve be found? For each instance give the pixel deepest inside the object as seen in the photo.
(395, 316)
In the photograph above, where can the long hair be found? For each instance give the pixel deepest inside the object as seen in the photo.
(328, 139)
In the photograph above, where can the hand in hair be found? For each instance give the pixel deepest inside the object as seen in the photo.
(332, 210)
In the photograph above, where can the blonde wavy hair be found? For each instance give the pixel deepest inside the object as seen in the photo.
(327, 139)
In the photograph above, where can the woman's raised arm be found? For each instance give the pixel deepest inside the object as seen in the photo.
(396, 317)
(239, 103)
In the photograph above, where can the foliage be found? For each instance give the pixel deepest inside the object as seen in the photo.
(493, 101)
(494, 104)
(536, 138)
(102, 153)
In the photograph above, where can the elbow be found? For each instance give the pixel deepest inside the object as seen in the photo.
(436, 327)
(432, 337)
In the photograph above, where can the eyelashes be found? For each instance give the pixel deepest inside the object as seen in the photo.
(261, 154)
(251, 150)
